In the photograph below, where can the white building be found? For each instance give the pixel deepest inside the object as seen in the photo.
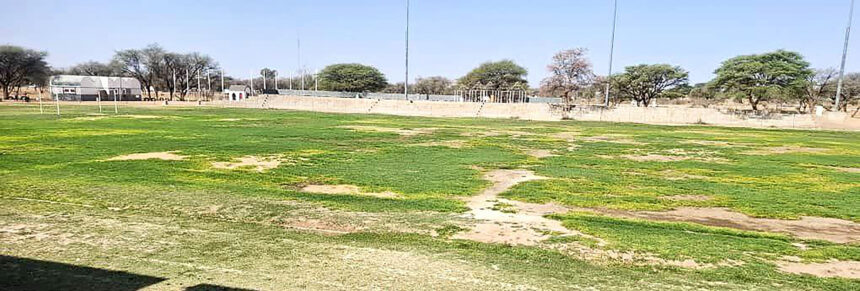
(237, 92)
(91, 88)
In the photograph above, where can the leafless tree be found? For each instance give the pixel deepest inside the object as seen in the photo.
(570, 72)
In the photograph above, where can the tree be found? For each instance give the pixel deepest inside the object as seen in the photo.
(268, 74)
(433, 86)
(93, 68)
(495, 75)
(133, 63)
(19, 66)
(850, 92)
(570, 73)
(817, 87)
(763, 77)
(351, 78)
(643, 83)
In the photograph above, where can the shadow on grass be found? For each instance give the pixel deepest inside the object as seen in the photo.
(28, 274)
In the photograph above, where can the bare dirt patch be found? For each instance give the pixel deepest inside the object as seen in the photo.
(687, 198)
(840, 269)
(829, 229)
(620, 139)
(400, 131)
(785, 150)
(346, 190)
(454, 144)
(526, 226)
(540, 154)
(259, 164)
(167, 156)
(847, 170)
(709, 143)
(655, 158)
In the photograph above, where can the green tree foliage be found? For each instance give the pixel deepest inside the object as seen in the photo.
(643, 83)
(20, 66)
(763, 77)
(93, 68)
(495, 75)
(351, 78)
(850, 92)
(433, 85)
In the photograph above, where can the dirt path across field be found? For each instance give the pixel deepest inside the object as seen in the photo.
(524, 224)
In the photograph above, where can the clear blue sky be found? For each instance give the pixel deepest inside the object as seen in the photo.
(448, 37)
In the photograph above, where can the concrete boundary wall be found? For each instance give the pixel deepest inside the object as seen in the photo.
(675, 115)
(553, 112)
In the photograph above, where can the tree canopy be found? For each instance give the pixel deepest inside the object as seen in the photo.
(20, 66)
(351, 78)
(495, 75)
(570, 72)
(433, 85)
(763, 77)
(643, 83)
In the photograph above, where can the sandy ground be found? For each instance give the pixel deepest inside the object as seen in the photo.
(259, 164)
(346, 190)
(526, 226)
(168, 156)
(842, 269)
(829, 229)
(400, 131)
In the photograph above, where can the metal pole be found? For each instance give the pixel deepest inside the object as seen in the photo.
(222, 80)
(611, 52)
(41, 111)
(316, 80)
(208, 82)
(291, 80)
(276, 80)
(252, 82)
(844, 55)
(115, 106)
(264, 80)
(406, 80)
(198, 86)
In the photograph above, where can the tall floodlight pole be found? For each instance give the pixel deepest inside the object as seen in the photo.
(406, 80)
(611, 53)
(41, 111)
(844, 55)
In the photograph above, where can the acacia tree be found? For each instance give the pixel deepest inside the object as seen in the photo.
(351, 78)
(570, 72)
(267, 74)
(643, 83)
(817, 87)
(93, 68)
(763, 77)
(132, 63)
(19, 66)
(495, 75)
(850, 93)
(433, 86)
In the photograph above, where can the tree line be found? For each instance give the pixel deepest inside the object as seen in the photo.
(780, 76)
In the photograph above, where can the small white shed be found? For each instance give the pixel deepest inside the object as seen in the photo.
(237, 92)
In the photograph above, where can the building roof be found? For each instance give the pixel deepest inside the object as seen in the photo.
(94, 81)
(239, 88)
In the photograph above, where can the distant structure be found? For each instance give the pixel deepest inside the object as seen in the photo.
(238, 92)
(91, 88)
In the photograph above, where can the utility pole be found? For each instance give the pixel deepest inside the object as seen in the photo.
(406, 80)
(844, 56)
(612, 53)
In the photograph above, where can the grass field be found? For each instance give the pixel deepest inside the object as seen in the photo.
(265, 199)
